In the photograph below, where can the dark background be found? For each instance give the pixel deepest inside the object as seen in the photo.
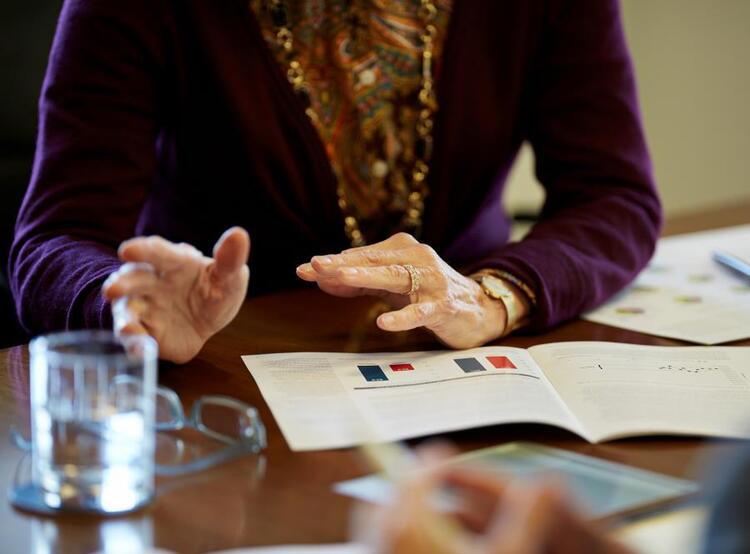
(26, 30)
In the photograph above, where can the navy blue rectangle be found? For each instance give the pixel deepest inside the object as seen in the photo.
(470, 365)
(372, 373)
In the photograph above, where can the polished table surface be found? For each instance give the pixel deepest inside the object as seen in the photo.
(286, 497)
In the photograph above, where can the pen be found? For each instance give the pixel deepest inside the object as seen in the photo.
(392, 459)
(737, 265)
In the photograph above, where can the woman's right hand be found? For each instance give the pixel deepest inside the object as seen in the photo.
(176, 294)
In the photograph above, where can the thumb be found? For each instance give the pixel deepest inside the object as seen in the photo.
(231, 252)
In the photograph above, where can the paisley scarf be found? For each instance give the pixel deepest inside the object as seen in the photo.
(362, 62)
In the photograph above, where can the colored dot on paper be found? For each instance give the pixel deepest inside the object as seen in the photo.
(688, 299)
(644, 288)
(629, 310)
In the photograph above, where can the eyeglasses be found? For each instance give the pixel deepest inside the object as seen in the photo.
(233, 423)
(222, 418)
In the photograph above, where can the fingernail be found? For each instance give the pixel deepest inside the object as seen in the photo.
(323, 260)
(304, 268)
(387, 319)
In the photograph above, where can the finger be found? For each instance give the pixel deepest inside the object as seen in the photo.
(157, 251)
(479, 479)
(132, 279)
(422, 314)
(477, 493)
(399, 240)
(392, 278)
(417, 255)
(344, 291)
(395, 242)
(413, 525)
(307, 273)
(126, 316)
(526, 516)
(416, 486)
(435, 452)
(230, 253)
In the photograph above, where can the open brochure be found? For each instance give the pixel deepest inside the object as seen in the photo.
(598, 390)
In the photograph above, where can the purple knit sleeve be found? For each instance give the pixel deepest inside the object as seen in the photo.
(94, 162)
(602, 216)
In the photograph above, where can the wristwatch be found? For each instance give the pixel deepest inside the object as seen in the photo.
(498, 289)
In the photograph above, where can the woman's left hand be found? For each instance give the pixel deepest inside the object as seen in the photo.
(452, 306)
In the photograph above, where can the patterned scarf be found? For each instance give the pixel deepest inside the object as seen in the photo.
(362, 62)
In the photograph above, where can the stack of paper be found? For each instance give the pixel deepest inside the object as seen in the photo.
(683, 294)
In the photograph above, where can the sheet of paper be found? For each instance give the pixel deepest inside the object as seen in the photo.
(617, 390)
(677, 531)
(332, 400)
(341, 548)
(684, 294)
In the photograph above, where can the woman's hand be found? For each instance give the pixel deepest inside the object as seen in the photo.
(449, 304)
(176, 294)
(493, 516)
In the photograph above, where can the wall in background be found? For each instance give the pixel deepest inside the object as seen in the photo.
(694, 83)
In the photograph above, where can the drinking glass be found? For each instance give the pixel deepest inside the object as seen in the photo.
(92, 421)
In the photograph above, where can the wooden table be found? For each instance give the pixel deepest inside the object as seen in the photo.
(286, 497)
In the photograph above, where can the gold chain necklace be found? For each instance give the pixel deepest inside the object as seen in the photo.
(412, 219)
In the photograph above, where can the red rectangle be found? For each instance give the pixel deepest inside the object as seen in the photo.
(402, 367)
(501, 362)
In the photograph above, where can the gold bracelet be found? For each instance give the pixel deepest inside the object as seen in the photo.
(496, 286)
(525, 289)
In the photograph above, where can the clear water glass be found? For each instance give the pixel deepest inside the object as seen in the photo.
(92, 421)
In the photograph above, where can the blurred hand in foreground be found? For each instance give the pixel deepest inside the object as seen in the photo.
(493, 516)
(176, 294)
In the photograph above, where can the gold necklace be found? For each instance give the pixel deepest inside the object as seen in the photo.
(413, 214)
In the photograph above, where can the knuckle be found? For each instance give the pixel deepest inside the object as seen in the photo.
(441, 279)
(128, 267)
(372, 256)
(187, 249)
(405, 238)
(426, 251)
(398, 272)
(135, 267)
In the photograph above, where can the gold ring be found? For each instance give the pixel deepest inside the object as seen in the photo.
(414, 275)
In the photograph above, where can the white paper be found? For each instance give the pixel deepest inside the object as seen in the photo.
(323, 400)
(684, 294)
(679, 531)
(618, 390)
(340, 548)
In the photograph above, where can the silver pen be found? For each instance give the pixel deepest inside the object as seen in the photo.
(737, 265)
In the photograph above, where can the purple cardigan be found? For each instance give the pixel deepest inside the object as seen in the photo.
(171, 117)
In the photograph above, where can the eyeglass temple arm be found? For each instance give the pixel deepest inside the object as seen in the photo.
(207, 462)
